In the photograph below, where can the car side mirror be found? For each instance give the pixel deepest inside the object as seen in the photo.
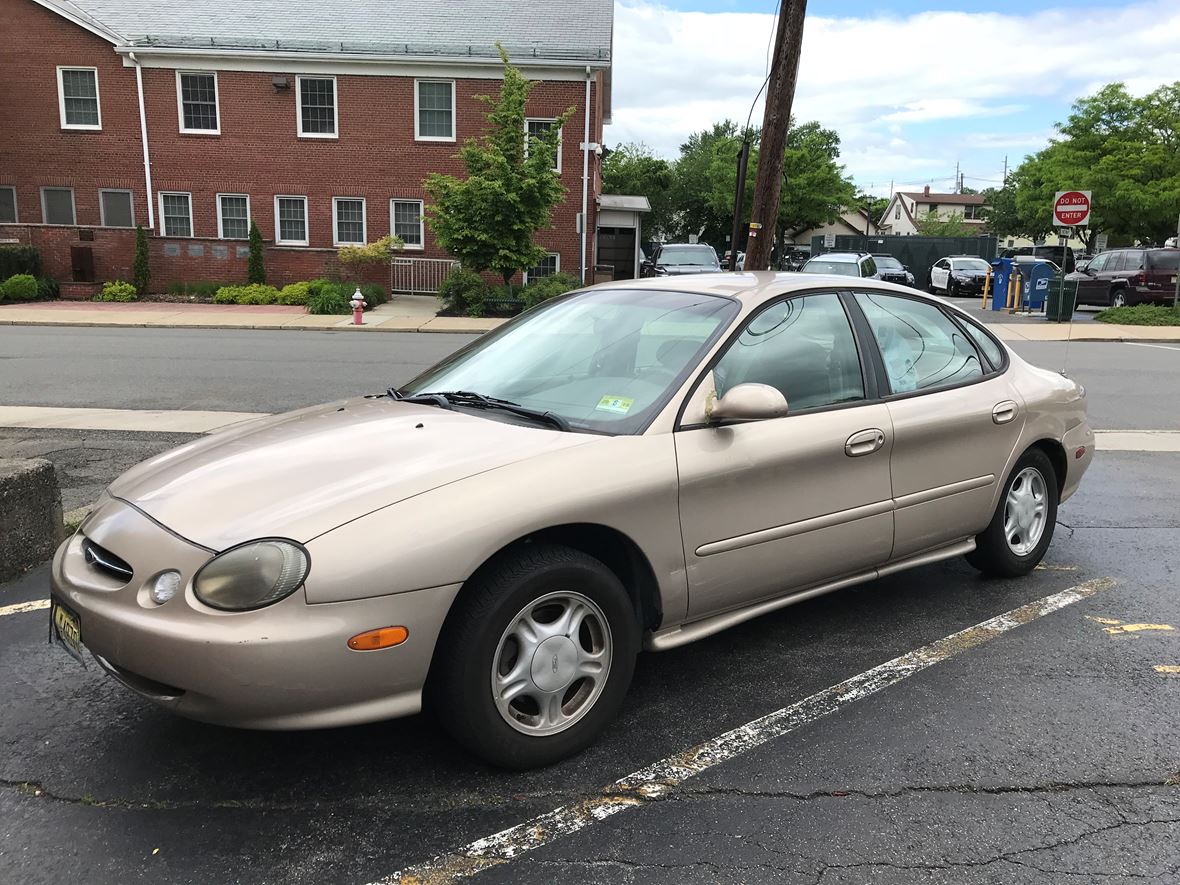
(747, 402)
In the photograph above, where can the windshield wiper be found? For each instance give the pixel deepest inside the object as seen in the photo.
(447, 399)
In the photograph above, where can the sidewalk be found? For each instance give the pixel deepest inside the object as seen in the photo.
(405, 313)
(1084, 331)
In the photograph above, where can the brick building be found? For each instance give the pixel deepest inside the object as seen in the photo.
(317, 121)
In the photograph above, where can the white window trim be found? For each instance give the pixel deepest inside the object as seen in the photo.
(73, 205)
(454, 112)
(15, 205)
(180, 104)
(220, 232)
(560, 133)
(556, 266)
(419, 246)
(299, 107)
(192, 231)
(61, 99)
(336, 241)
(279, 241)
(102, 211)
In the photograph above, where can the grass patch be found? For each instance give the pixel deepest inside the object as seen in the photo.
(1140, 315)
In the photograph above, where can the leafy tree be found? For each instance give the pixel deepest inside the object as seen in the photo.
(704, 180)
(874, 205)
(633, 169)
(815, 189)
(951, 226)
(488, 219)
(141, 271)
(255, 269)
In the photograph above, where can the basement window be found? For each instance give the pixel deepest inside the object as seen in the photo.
(176, 214)
(405, 220)
(57, 205)
(291, 221)
(115, 208)
(549, 265)
(349, 215)
(8, 205)
(233, 216)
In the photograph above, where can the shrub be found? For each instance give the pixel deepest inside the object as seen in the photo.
(196, 288)
(116, 290)
(47, 288)
(374, 293)
(1141, 315)
(18, 259)
(379, 252)
(463, 291)
(141, 271)
(255, 269)
(329, 298)
(294, 294)
(255, 293)
(549, 287)
(19, 287)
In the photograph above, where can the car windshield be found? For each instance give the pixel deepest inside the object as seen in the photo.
(843, 268)
(605, 361)
(976, 264)
(887, 262)
(1169, 260)
(695, 256)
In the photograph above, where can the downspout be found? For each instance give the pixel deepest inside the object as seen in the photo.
(147, 159)
(586, 147)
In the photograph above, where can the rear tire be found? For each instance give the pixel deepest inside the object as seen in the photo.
(491, 647)
(1022, 526)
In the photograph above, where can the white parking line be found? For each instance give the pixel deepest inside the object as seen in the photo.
(34, 606)
(659, 779)
(155, 420)
(1143, 344)
(1137, 440)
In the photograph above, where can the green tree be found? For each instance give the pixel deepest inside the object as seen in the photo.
(815, 188)
(703, 183)
(141, 270)
(633, 169)
(255, 269)
(488, 219)
(874, 205)
(950, 226)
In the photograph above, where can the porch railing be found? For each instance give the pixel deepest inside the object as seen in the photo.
(419, 276)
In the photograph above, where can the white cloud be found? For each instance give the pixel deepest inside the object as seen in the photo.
(946, 85)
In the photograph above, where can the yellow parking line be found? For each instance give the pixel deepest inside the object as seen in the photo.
(1168, 669)
(34, 606)
(1136, 628)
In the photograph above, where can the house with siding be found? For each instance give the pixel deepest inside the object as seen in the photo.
(906, 210)
(319, 122)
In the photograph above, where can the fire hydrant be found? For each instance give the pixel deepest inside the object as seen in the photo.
(358, 306)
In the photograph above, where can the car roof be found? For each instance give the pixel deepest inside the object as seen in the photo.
(754, 287)
(839, 256)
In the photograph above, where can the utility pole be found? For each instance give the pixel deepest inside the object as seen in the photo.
(743, 161)
(1005, 170)
(1176, 292)
(780, 92)
(958, 181)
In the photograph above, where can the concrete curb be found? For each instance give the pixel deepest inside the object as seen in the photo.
(425, 328)
(31, 524)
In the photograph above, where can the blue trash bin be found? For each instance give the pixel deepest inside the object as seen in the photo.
(1001, 273)
(1037, 277)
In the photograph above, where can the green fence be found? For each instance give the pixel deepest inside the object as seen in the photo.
(916, 253)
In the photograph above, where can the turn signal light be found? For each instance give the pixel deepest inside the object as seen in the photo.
(382, 637)
(1081, 451)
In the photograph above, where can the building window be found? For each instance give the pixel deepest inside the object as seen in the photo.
(317, 106)
(233, 216)
(57, 205)
(405, 221)
(196, 98)
(549, 265)
(115, 209)
(932, 209)
(176, 214)
(434, 110)
(8, 205)
(291, 221)
(349, 213)
(77, 97)
(897, 212)
(536, 128)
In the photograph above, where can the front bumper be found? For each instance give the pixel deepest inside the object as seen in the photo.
(285, 666)
(1081, 437)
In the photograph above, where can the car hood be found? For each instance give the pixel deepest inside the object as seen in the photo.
(303, 473)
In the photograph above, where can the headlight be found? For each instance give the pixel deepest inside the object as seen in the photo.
(252, 575)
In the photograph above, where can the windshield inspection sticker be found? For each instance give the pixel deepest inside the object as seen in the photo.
(620, 405)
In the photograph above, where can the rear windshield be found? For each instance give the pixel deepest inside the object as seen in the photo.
(690, 256)
(1169, 260)
(887, 262)
(976, 264)
(843, 268)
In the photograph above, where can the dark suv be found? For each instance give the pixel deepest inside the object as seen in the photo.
(1062, 256)
(1128, 276)
(893, 271)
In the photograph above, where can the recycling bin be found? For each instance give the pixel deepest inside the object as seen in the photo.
(1001, 275)
(1061, 301)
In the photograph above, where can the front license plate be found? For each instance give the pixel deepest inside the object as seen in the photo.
(65, 629)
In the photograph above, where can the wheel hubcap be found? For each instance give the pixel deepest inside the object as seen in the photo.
(552, 663)
(1119, 300)
(1025, 511)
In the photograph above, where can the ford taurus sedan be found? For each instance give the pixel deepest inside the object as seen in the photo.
(634, 465)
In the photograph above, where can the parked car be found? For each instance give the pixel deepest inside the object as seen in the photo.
(959, 275)
(892, 270)
(796, 257)
(741, 260)
(847, 264)
(641, 463)
(681, 258)
(1062, 256)
(1128, 276)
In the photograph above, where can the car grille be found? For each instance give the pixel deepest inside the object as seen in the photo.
(102, 560)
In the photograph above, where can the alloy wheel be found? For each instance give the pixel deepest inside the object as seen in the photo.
(1025, 510)
(552, 663)
(1118, 299)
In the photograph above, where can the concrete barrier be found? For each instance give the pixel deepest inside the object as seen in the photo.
(30, 514)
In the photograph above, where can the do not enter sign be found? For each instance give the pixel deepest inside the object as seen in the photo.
(1071, 208)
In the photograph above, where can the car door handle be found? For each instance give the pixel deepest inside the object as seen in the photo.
(865, 442)
(1004, 412)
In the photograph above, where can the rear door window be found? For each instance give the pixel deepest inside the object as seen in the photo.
(1133, 260)
(1116, 262)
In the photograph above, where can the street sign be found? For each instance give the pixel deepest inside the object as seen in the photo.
(829, 241)
(1072, 208)
(1100, 242)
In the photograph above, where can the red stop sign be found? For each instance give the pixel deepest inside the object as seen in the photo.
(1071, 208)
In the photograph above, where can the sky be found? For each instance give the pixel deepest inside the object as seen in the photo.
(911, 86)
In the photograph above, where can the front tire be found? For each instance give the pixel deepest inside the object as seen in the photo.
(1022, 526)
(1118, 298)
(536, 658)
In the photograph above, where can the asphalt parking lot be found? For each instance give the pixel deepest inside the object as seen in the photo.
(1038, 751)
